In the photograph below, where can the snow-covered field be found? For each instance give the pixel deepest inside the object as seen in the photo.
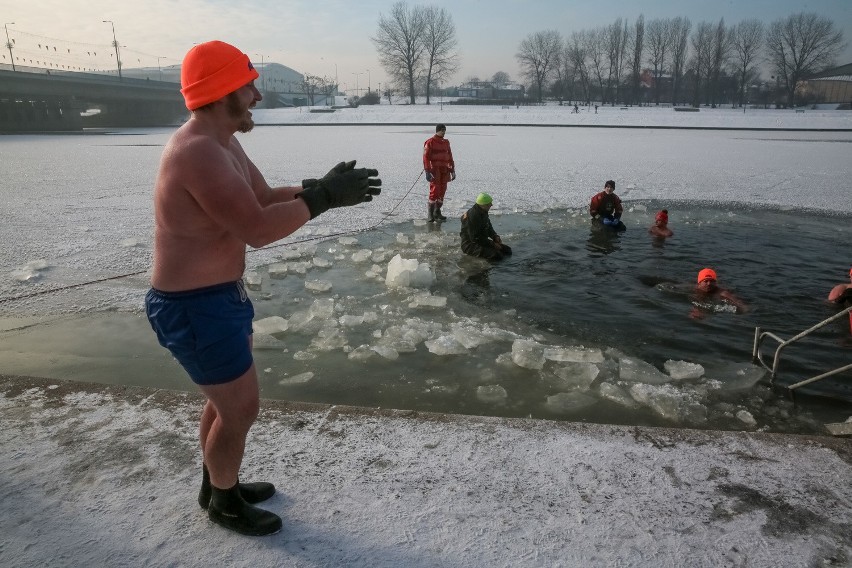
(553, 114)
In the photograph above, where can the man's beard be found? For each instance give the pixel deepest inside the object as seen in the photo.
(238, 110)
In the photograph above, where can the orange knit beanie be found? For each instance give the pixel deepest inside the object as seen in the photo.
(212, 70)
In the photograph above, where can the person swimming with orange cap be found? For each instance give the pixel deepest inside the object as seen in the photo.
(660, 228)
(210, 203)
(707, 288)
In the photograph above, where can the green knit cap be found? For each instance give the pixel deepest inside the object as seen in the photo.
(483, 199)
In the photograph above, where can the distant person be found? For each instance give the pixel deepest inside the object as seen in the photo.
(842, 293)
(708, 290)
(440, 169)
(606, 209)
(660, 228)
(576, 109)
(478, 237)
(210, 202)
(842, 296)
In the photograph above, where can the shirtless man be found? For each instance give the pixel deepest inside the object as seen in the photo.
(210, 201)
(707, 288)
(660, 228)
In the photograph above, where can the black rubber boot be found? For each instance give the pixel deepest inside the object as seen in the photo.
(431, 212)
(229, 509)
(251, 492)
(438, 216)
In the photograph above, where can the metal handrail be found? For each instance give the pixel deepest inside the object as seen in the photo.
(757, 356)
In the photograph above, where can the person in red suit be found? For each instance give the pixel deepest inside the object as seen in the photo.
(606, 209)
(440, 169)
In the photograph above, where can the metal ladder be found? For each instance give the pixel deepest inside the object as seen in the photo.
(757, 356)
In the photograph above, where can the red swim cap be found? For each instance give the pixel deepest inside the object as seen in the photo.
(212, 70)
(662, 217)
(706, 274)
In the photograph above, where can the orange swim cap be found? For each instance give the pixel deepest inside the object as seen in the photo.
(212, 70)
(706, 274)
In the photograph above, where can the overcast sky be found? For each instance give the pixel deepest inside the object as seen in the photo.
(322, 37)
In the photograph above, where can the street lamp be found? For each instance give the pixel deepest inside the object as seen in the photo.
(115, 45)
(356, 82)
(159, 69)
(9, 43)
(368, 81)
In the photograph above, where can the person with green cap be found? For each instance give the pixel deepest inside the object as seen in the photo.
(478, 237)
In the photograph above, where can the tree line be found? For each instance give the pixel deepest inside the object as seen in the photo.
(665, 60)
(709, 64)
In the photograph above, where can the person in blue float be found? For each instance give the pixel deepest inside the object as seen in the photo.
(606, 209)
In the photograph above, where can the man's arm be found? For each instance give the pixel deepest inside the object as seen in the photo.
(209, 173)
(427, 158)
(594, 204)
(268, 195)
(837, 293)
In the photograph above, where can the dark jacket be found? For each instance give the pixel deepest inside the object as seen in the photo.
(476, 227)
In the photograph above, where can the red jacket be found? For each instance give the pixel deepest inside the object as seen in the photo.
(605, 204)
(437, 154)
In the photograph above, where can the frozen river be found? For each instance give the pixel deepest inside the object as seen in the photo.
(78, 208)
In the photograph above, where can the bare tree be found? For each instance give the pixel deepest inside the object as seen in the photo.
(659, 43)
(700, 63)
(538, 54)
(439, 47)
(679, 30)
(615, 42)
(802, 44)
(597, 63)
(636, 51)
(720, 53)
(311, 85)
(748, 37)
(400, 45)
(501, 78)
(577, 53)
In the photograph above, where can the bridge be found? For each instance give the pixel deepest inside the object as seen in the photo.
(38, 100)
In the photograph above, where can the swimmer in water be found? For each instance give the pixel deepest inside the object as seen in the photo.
(842, 296)
(660, 228)
(707, 289)
(842, 293)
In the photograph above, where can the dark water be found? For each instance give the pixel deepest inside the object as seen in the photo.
(628, 295)
(634, 292)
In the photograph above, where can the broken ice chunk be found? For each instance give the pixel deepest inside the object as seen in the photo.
(404, 272)
(566, 402)
(491, 393)
(528, 354)
(446, 345)
(683, 370)
(318, 285)
(270, 325)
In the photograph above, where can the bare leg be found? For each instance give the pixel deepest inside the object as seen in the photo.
(234, 408)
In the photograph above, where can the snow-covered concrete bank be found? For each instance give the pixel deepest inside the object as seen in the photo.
(94, 475)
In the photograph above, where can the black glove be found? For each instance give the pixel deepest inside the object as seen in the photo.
(342, 186)
(453, 175)
(429, 176)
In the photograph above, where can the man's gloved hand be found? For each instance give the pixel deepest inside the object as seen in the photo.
(609, 221)
(340, 168)
(342, 186)
(452, 175)
(429, 176)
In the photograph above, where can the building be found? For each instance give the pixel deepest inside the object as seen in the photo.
(833, 86)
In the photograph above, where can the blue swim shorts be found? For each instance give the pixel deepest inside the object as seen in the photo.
(207, 329)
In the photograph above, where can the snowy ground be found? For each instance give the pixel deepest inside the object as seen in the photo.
(554, 115)
(105, 476)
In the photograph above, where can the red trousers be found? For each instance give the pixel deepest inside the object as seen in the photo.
(438, 185)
